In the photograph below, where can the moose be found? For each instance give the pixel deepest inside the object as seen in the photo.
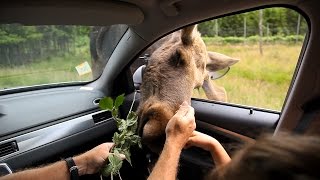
(178, 63)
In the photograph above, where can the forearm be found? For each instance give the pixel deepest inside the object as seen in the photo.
(218, 153)
(166, 167)
(58, 170)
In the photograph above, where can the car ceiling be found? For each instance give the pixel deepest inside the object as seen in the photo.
(151, 19)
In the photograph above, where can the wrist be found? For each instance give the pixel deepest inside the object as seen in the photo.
(174, 143)
(213, 145)
(81, 163)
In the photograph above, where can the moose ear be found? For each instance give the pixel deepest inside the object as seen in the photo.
(187, 34)
(219, 61)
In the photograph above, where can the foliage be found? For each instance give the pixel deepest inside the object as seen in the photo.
(276, 22)
(254, 39)
(123, 139)
(21, 45)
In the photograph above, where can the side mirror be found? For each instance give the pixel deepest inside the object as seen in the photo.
(219, 74)
(137, 76)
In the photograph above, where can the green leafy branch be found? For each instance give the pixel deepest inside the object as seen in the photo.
(124, 138)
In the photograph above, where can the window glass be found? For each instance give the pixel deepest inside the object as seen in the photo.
(268, 43)
(264, 47)
(36, 55)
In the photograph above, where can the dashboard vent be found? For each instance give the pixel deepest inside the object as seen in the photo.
(8, 148)
(97, 118)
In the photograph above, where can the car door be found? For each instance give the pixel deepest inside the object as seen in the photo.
(37, 125)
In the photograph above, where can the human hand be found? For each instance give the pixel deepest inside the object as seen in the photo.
(208, 143)
(181, 125)
(92, 161)
(201, 140)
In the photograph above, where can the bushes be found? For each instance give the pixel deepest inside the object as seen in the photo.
(254, 39)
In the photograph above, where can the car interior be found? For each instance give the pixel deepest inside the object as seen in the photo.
(44, 123)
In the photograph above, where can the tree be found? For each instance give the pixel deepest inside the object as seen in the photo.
(260, 30)
(24, 44)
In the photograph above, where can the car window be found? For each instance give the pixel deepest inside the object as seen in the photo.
(37, 55)
(260, 50)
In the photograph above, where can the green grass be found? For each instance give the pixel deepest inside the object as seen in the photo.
(45, 71)
(291, 39)
(258, 80)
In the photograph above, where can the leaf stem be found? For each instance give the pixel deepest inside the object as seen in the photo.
(119, 175)
(134, 99)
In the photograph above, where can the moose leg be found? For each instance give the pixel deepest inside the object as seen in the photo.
(214, 92)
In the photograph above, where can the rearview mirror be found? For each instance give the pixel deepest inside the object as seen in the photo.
(137, 76)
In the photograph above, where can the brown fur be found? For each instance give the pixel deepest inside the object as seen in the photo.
(174, 70)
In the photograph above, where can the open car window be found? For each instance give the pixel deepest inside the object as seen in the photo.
(46, 54)
(262, 49)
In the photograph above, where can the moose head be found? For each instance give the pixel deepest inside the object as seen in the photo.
(181, 64)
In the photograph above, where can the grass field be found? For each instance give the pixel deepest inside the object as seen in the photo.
(258, 80)
(45, 71)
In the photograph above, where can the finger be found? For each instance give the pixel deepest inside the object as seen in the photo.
(190, 112)
(109, 145)
(188, 145)
(185, 103)
(194, 124)
(190, 140)
(195, 133)
(182, 111)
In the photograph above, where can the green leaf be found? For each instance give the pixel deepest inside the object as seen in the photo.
(107, 170)
(134, 127)
(106, 103)
(117, 138)
(132, 118)
(122, 125)
(118, 120)
(116, 163)
(132, 115)
(119, 101)
(127, 153)
(129, 133)
(135, 139)
(127, 144)
(117, 151)
(114, 113)
(123, 139)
